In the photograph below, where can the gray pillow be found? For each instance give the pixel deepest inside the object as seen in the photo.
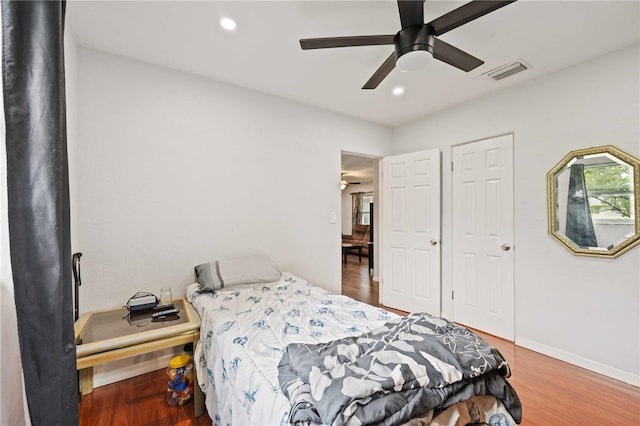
(240, 270)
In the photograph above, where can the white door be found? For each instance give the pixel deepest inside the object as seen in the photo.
(411, 232)
(483, 235)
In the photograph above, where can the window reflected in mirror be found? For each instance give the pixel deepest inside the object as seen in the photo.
(593, 201)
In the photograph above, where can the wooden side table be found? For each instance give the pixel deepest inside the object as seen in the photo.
(105, 336)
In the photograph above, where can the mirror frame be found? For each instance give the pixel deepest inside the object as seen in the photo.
(619, 249)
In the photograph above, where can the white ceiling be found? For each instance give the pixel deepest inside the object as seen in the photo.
(356, 168)
(264, 54)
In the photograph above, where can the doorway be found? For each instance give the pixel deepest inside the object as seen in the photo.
(412, 261)
(359, 218)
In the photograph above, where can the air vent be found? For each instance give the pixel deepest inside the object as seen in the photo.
(507, 70)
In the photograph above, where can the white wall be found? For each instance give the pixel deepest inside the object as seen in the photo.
(579, 309)
(175, 170)
(71, 83)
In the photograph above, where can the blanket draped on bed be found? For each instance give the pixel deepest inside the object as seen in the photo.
(397, 372)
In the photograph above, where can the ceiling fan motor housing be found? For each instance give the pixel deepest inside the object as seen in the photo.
(416, 37)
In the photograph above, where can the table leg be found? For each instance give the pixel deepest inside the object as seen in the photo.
(359, 254)
(344, 254)
(86, 380)
(198, 397)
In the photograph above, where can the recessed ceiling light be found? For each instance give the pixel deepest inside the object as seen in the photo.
(228, 24)
(397, 91)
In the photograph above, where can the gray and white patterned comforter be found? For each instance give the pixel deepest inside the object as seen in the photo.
(393, 374)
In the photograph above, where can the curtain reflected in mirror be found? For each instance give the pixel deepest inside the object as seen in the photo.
(593, 201)
(579, 225)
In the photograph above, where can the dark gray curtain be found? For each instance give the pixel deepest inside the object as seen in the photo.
(38, 205)
(356, 207)
(579, 226)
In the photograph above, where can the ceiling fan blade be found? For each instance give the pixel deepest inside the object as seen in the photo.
(387, 66)
(464, 14)
(411, 12)
(453, 56)
(326, 42)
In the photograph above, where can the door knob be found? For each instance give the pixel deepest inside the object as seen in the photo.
(434, 242)
(505, 247)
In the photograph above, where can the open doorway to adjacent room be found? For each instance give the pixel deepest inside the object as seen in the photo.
(359, 218)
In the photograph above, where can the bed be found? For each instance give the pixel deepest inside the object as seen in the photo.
(287, 351)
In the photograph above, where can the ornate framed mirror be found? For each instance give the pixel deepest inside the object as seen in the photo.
(594, 201)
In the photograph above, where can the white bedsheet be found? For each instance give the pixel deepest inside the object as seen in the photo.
(244, 332)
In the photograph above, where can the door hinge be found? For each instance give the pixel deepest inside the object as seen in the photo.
(452, 295)
(452, 166)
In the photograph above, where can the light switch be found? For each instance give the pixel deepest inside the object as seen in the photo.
(333, 218)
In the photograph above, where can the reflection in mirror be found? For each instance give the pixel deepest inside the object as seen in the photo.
(593, 201)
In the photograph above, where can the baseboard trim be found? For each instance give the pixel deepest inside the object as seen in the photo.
(596, 367)
(127, 368)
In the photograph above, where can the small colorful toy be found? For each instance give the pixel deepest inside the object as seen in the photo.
(180, 386)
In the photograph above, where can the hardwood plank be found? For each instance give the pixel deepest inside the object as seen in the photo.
(552, 392)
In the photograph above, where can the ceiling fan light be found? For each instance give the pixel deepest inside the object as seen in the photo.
(413, 60)
(413, 47)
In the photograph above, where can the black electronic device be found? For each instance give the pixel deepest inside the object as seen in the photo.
(141, 301)
(163, 307)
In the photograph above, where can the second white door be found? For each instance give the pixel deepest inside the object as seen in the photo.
(483, 236)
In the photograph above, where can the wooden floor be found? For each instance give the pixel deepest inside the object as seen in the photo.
(139, 401)
(552, 392)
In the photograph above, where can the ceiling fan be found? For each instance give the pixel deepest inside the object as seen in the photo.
(344, 183)
(416, 40)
